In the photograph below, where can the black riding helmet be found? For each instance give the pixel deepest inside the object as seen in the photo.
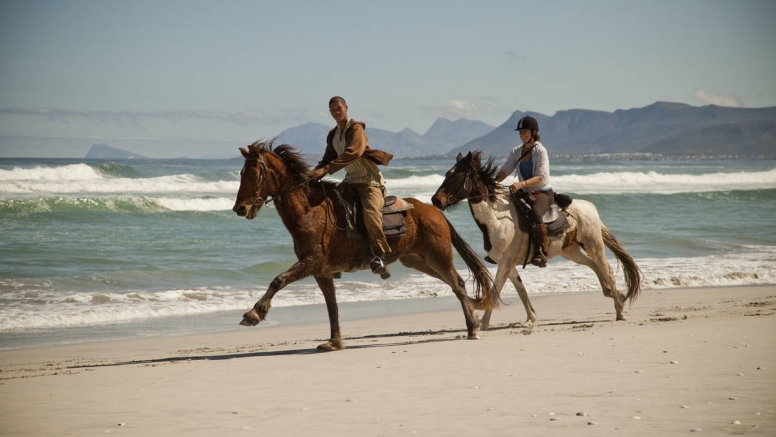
(528, 122)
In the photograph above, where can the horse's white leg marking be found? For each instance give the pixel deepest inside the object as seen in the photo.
(595, 258)
(514, 276)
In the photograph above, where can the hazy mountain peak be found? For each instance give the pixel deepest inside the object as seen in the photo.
(104, 151)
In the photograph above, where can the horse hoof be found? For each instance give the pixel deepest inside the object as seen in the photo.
(473, 337)
(251, 318)
(329, 346)
(621, 318)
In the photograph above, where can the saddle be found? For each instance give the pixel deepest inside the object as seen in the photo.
(554, 219)
(392, 210)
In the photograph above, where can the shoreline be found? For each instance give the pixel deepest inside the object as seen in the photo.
(686, 359)
(228, 321)
(224, 322)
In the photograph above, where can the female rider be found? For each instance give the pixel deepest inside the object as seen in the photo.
(533, 173)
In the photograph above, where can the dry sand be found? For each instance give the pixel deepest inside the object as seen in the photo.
(687, 360)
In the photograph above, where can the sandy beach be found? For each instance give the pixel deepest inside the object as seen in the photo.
(697, 360)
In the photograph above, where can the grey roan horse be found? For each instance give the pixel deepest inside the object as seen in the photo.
(495, 213)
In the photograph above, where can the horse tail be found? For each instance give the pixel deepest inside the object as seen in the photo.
(633, 274)
(485, 294)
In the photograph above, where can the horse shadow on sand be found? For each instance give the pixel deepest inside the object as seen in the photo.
(417, 337)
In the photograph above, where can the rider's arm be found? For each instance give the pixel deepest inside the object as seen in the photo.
(527, 183)
(356, 144)
(329, 154)
(510, 165)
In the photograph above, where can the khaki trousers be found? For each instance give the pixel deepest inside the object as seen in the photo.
(371, 202)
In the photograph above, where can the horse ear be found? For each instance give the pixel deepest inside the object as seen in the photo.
(469, 155)
(244, 153)
(459, 157)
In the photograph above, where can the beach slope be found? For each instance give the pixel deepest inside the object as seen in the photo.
(687, 360)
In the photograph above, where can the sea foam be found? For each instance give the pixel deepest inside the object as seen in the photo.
(659, 183)
(24, 305)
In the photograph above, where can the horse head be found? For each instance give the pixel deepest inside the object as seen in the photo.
(255, 185)
(463, 181)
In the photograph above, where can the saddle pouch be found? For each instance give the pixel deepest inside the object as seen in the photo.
(563, 200)
(393, 225)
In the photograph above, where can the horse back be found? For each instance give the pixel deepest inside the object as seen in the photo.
(423, 220)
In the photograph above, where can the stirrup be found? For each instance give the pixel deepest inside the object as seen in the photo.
(539, 261)
(378, 267)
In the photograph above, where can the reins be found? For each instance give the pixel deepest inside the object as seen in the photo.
(511, 197)
(330, 212)
(262, 177)
(257, 201)
(272, 199)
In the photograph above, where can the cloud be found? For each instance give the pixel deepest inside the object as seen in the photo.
(461, 107)
(455, 108)
(715, 99)
(514, 57)
(245, 118)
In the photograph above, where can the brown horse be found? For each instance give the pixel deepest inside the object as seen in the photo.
(494, 212)
(310, 212)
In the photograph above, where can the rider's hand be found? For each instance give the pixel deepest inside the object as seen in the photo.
(318, 173)
(516, 186)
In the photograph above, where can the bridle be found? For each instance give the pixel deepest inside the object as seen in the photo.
(257, 201)
(262, 177)
(467, 185)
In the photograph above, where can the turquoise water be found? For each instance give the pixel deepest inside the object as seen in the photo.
(87, 244)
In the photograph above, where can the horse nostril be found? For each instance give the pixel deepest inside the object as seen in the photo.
(436, 202)
(239, 209)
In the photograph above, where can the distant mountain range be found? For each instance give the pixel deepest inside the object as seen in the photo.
(104, 151)
(663, 128)
(442, 136)
(670, 129)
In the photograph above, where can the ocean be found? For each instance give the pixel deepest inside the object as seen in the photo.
(101, 250)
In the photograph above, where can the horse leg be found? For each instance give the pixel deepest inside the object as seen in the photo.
(514, 276)
(502, 274)
(298, 271)
(450, 277)
(594, 257)
(326, 285)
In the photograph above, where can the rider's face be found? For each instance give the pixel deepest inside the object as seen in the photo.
(525, 135)
(338, 111)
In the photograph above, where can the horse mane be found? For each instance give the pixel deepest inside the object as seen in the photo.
(487, 172)
(293, 160)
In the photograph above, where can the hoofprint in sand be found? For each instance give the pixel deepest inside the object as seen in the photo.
(687, 360)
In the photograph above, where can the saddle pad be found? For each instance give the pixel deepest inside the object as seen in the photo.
(554, 219)
(557, 227)
(397, 204)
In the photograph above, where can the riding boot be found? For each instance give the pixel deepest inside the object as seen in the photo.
(539, 240)
(380, 267)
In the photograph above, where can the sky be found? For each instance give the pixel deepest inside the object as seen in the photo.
(243, 70)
